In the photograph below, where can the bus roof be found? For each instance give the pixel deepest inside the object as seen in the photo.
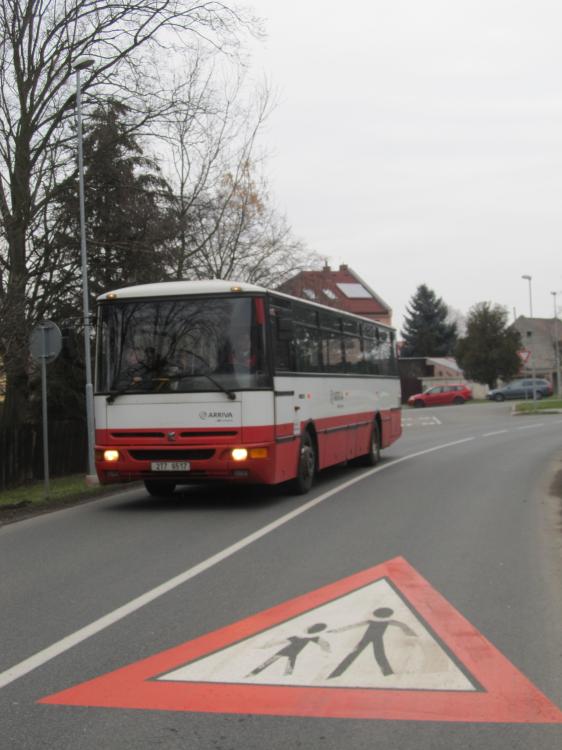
(180, 288)
(212, 286)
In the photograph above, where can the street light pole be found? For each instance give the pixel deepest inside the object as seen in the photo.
(529, 279)
(81, 64)
(556, 345)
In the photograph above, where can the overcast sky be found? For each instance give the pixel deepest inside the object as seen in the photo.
(420, 141)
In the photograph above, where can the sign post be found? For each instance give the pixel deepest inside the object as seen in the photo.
(45, 346)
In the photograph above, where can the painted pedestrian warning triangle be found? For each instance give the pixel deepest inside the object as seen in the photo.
(372, 628)
(380, 644)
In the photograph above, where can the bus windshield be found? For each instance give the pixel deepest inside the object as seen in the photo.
(181, 345)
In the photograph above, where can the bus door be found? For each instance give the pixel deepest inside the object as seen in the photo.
(287, 406)
(288, 410)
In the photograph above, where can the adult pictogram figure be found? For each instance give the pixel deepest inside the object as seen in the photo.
(295, 644)
(373, 636)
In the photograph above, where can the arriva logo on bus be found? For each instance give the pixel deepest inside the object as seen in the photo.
(226, 415)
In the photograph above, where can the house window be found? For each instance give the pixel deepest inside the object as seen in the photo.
(354, 291)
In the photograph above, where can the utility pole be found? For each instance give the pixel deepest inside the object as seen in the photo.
(81, 64)
(556, 345)
(529, 279)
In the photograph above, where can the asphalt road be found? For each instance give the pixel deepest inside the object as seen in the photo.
(464, 500)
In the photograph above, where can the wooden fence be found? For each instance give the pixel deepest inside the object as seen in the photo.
(21, 452)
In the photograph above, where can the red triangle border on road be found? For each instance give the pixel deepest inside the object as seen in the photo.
(505, 694)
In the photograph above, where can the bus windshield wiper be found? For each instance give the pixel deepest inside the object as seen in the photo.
(132, 387)
(115, 392)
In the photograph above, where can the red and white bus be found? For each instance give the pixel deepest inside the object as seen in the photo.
(219, 380)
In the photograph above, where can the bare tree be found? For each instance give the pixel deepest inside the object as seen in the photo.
(242, 236)
(211, 135)
(40, 42)
(226, 225)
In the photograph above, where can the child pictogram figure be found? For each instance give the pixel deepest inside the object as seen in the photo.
(294, 646)
(373, 636)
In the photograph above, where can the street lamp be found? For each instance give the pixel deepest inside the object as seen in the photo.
(529, 279)
(556, 345)
(81, 64)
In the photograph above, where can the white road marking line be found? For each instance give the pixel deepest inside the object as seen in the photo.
(497, 432)
(423, 421)
(46, 654)
(530, 426)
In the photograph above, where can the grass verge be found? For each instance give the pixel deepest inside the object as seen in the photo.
(29, 499)
(544, 404)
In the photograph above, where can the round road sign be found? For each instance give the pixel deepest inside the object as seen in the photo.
(46, 341)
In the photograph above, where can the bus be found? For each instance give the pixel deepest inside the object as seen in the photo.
(220, 380)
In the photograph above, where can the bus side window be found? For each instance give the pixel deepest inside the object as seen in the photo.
(332, 342)
(282, 327)
(392, 361)
(385, 352)
(370, 348)
(307, 352)
(307, 339)
(332, 351)
(379, 352)
(353, 354)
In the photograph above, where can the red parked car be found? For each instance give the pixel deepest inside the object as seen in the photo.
(441, 394)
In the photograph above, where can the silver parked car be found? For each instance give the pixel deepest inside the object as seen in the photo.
(522, 388)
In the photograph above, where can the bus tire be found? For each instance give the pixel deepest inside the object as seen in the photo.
(374, 454)
(157, 488)
(306, 469)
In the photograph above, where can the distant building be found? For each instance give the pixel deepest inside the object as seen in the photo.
(539, 336)
(343, 289)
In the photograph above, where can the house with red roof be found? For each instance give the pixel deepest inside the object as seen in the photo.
(343, 289)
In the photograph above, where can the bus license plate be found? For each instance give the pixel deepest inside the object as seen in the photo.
(170, 466)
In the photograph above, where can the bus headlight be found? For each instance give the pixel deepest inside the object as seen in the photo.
(239, 454)
(111, 455)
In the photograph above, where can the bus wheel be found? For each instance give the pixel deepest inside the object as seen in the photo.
(157, 488)
(307, 466)
(373, 456)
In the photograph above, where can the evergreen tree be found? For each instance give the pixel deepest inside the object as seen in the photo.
(127, 202)
(490, 348)
(426, 331)
(127, 225)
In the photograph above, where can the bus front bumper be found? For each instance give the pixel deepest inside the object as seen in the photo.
(255, 463)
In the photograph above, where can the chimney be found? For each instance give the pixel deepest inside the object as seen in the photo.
(343, 267)
(327, 268)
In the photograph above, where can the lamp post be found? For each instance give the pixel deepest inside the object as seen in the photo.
(556, 345)
(81, 64)
(529, 279)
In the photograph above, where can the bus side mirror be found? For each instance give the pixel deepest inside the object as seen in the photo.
(285, 329)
